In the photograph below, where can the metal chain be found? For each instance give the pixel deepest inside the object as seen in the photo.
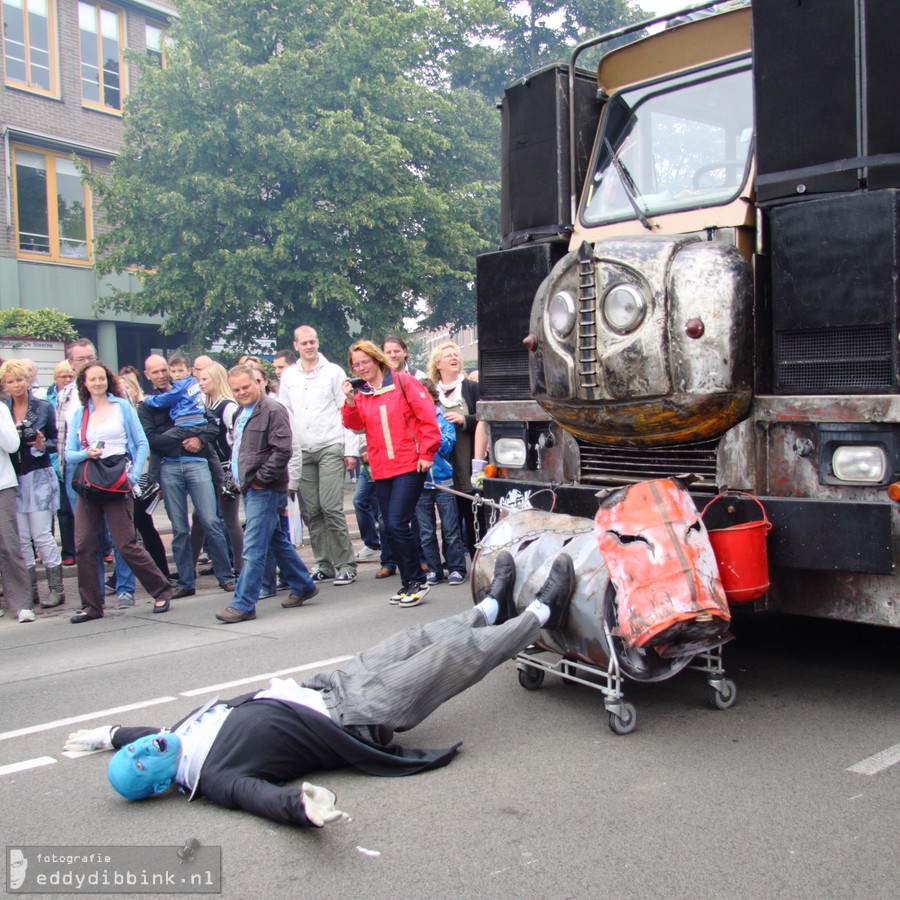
(535, 533)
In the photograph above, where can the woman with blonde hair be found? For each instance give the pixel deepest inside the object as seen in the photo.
(132, 387)
(402, 435)
(220, 403)
(37, 496)
(457, 398)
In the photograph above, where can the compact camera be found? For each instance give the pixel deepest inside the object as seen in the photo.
(357, 383)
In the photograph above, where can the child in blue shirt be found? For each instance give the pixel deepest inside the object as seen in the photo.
(184, 401)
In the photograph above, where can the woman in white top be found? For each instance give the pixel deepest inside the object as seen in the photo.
(217, 396)
(112, 420)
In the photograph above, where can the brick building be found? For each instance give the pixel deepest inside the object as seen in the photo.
(64, 82)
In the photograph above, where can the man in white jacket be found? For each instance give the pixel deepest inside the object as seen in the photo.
(311, 390)
(16, 583)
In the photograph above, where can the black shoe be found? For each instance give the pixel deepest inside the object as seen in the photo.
(209, 570)
(183, 592)
(501, 588)
(557, 591)
(161, 606)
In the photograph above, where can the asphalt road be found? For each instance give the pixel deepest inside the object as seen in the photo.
(755, 801)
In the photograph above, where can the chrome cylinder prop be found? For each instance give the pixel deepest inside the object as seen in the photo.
(534, 538)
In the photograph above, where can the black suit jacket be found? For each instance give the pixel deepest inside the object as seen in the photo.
(264, 743)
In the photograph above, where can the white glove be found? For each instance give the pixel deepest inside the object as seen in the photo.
(90, 739)
(319, 805)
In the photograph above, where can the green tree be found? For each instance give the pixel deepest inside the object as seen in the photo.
(299, 162)
(533, 34)
(44, 324)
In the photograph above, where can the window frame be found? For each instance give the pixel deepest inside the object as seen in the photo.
(54, 256)
(52, 53)
(99, 7)
(163, 30)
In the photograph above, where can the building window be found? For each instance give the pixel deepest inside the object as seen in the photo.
(29, 44)
(155, 38)
(52, 207)
(101, 31)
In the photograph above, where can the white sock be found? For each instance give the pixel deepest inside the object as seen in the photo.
(541, 610)
(490, 609)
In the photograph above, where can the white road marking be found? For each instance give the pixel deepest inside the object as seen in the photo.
(99, 714)
(878, 762)
(27, 764)
(157, 701)
(215, 688)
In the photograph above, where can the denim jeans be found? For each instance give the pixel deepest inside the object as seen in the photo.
(397, 498)
(365, 501)
(180, 478)
(365, 513)
(266, 531)
(452, 538)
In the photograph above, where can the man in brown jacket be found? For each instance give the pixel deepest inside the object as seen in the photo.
(259, 460)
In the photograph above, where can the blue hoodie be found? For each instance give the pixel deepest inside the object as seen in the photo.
(442, 470)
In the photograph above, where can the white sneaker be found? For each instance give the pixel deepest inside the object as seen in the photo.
(413, 595)
(25, 615)
(367, 554)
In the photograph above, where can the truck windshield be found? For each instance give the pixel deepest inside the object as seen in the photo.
(683, 143)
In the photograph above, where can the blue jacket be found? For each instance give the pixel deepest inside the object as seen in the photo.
(442, 470)
(183, 401)
(136, 440)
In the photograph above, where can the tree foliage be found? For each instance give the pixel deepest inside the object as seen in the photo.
(294, 163)
(43, 324)
(330, 163)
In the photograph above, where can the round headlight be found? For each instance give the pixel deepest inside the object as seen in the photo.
(561, 313)
(624, 308)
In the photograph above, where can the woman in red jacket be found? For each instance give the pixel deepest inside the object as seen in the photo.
(402, 433)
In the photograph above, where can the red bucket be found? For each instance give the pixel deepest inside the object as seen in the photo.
(740, 550)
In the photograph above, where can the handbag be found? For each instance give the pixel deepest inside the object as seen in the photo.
(104, 477)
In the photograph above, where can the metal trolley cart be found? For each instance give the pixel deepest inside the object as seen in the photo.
(588, 651)
(532, 668)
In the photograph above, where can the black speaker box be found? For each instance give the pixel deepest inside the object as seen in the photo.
(834, 263)
(825, 77)
(534, 183)
(506, 282)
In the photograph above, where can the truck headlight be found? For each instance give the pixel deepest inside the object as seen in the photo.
(561, 313)
(509, 452)
(859, 463)
(623, 308)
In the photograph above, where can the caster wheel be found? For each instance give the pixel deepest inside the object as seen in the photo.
(565, 671)
(724, 697)
(531, 679)
(624, 723)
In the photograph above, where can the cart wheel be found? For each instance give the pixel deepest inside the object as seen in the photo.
(623, 724)
(531, 679)
(723, 697)
(565, 671)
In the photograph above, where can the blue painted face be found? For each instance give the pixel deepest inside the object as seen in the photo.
(145, 767)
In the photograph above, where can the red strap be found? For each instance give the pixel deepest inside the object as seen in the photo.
(84, 421)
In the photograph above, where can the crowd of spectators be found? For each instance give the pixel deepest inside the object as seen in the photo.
(211, 443)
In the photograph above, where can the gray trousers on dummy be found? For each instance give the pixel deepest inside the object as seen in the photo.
(398, 683)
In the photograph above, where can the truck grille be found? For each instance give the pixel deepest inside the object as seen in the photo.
(822, 360)
(624, 465)
(503, 374)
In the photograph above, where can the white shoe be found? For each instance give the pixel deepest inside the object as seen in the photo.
(367, 554)
(413, 595)
(25, 615)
